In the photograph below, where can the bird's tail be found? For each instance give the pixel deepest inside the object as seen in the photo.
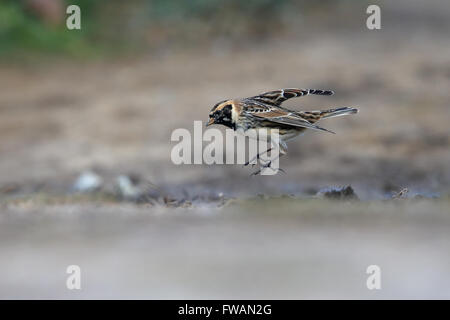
(337, 112)
(314, 116)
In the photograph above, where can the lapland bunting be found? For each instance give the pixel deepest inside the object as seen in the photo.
(264, 111)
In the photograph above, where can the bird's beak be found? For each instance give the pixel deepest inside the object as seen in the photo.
(210, 122)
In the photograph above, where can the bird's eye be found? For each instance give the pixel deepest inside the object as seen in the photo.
(227, 110)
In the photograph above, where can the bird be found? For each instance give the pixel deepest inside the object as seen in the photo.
(265, 112)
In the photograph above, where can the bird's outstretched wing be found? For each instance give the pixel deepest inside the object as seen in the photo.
(277, 97)
(281, 116)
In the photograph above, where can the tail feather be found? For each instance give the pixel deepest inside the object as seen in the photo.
(337, 112)
(320, 92)
(314, 116)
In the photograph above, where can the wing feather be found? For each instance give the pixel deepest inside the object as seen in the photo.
(277, 97)
(281, 116)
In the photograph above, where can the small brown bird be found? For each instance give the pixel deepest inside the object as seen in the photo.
(265, 112)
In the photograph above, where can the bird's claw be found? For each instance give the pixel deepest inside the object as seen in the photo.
(267, 165)
(255, 173)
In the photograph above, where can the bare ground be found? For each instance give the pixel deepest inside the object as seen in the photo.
(268, 249)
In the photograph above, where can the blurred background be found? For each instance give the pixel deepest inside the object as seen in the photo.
(86, 177)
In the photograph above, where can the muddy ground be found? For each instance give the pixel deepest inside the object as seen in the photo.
(212, 231)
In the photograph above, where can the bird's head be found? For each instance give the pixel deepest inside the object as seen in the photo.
(221, 113)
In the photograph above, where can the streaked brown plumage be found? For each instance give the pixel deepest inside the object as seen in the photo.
(264, 111)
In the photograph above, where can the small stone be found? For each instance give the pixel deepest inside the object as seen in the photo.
(127, 187)
(345, 193)
(87, 182)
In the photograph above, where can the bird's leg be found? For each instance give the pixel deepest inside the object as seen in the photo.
(257, 157)
(256, 172)
(267, 165)
(283, 151)
(262, 167)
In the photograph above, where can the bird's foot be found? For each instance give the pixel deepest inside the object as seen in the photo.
(267, 165)
(255, 159)
(252, 162)
(255, 173)
(261, 168)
